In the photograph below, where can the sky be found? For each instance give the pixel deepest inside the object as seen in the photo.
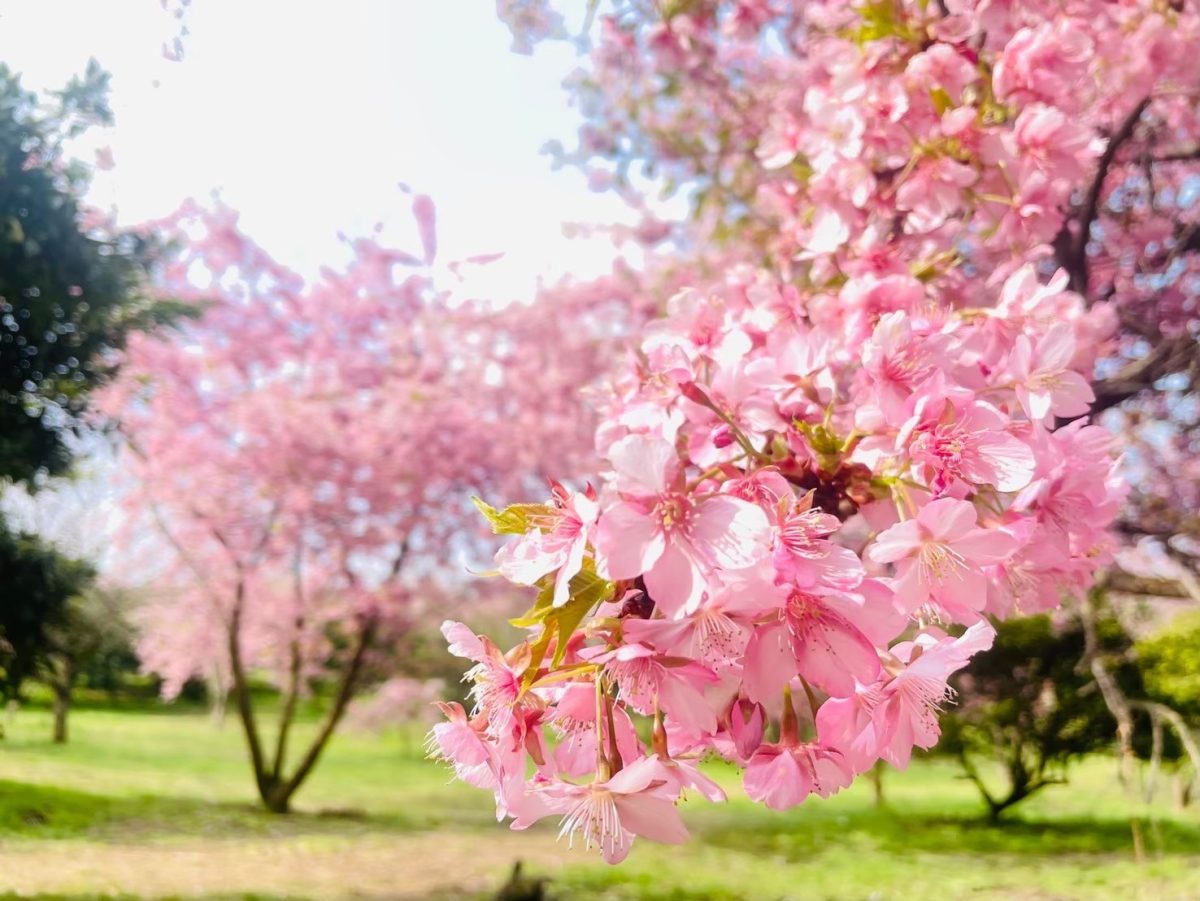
(307, 116)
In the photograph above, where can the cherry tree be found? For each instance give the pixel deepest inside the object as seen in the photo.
(307, 452)
(925, 243)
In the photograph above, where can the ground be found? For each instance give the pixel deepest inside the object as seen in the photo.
(159, 804)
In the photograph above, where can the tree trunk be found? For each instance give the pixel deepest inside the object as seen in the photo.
(274, 789)
(877, 783)
(280, 789)
(218, 694)
(1184, 783)
(62, 705)
(63, 685)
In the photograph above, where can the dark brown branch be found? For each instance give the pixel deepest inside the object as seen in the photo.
(292, 692)
(1073, 255)
(1178, 156)
(1187, 738)
(241, 690)
(1171, 356)
(1114, 698)
(346, 689)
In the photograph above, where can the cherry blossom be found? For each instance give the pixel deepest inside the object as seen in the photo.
(919, 253)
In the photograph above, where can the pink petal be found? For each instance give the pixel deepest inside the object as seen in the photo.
(984, 546)
(947, 518)
(831, 773)
(674, 581)
(774, 778)
(654, 818)
(462, 641)
(911, 590)
(635, 776)
(1036, 403)
(460, 743)
(685, 704)
(1072, 395)
(1056, 348)
(1001, 460)
(574, 563)
(643, 464)
(896, 543)
(729, 531)
(628, 541)
(768, 664)
(832, 654)
(426, 215)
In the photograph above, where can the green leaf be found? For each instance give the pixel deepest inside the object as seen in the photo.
(516, 519)
(942, 101)
(587, 589)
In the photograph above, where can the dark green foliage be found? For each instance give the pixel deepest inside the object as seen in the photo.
(1170, 664)
(95, 633)
(37, 585)
(1031, 705)
(91, 635)
(68, 296)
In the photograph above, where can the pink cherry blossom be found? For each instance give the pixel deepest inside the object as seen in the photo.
(659, 531)
(1045, 383)
(557, 546)
(782, 776)
(938, 555)
(610, 814)
(919, 243)
(973, 445)
(814, 636)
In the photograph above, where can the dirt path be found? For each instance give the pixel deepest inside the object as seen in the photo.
(371, 866)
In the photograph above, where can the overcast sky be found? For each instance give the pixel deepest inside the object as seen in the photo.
(306, 115)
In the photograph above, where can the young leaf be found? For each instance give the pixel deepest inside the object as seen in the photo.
(516, 519)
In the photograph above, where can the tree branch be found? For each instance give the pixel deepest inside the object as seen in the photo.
(346, 689)
(1173, 355)
(241, 690)
(292, 692)
(1073, 255)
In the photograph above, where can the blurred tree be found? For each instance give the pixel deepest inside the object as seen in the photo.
(91, 640)
(1169, 661)
(1030, 705)
(1170, 664)
(307, 451)
(70, 287)
(71, 292)
(39, 584)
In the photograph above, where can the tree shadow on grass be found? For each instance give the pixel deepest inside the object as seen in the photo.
(807, 832)
(39, 812)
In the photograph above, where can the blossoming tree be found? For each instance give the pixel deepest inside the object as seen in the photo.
(924, 239)
(307, 450)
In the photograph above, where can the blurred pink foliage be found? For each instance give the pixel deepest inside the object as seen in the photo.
(308, 451)
(397, 701)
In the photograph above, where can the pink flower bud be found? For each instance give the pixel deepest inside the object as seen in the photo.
(746, 723)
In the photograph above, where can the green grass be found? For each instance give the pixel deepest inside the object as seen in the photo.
(155, 804)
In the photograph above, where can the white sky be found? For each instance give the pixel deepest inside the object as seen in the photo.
(306, 115)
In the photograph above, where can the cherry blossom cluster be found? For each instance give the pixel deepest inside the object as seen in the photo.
(860, 433)
(794, 520)
(964, 137)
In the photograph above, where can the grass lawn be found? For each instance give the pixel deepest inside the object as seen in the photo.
(160, 804)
